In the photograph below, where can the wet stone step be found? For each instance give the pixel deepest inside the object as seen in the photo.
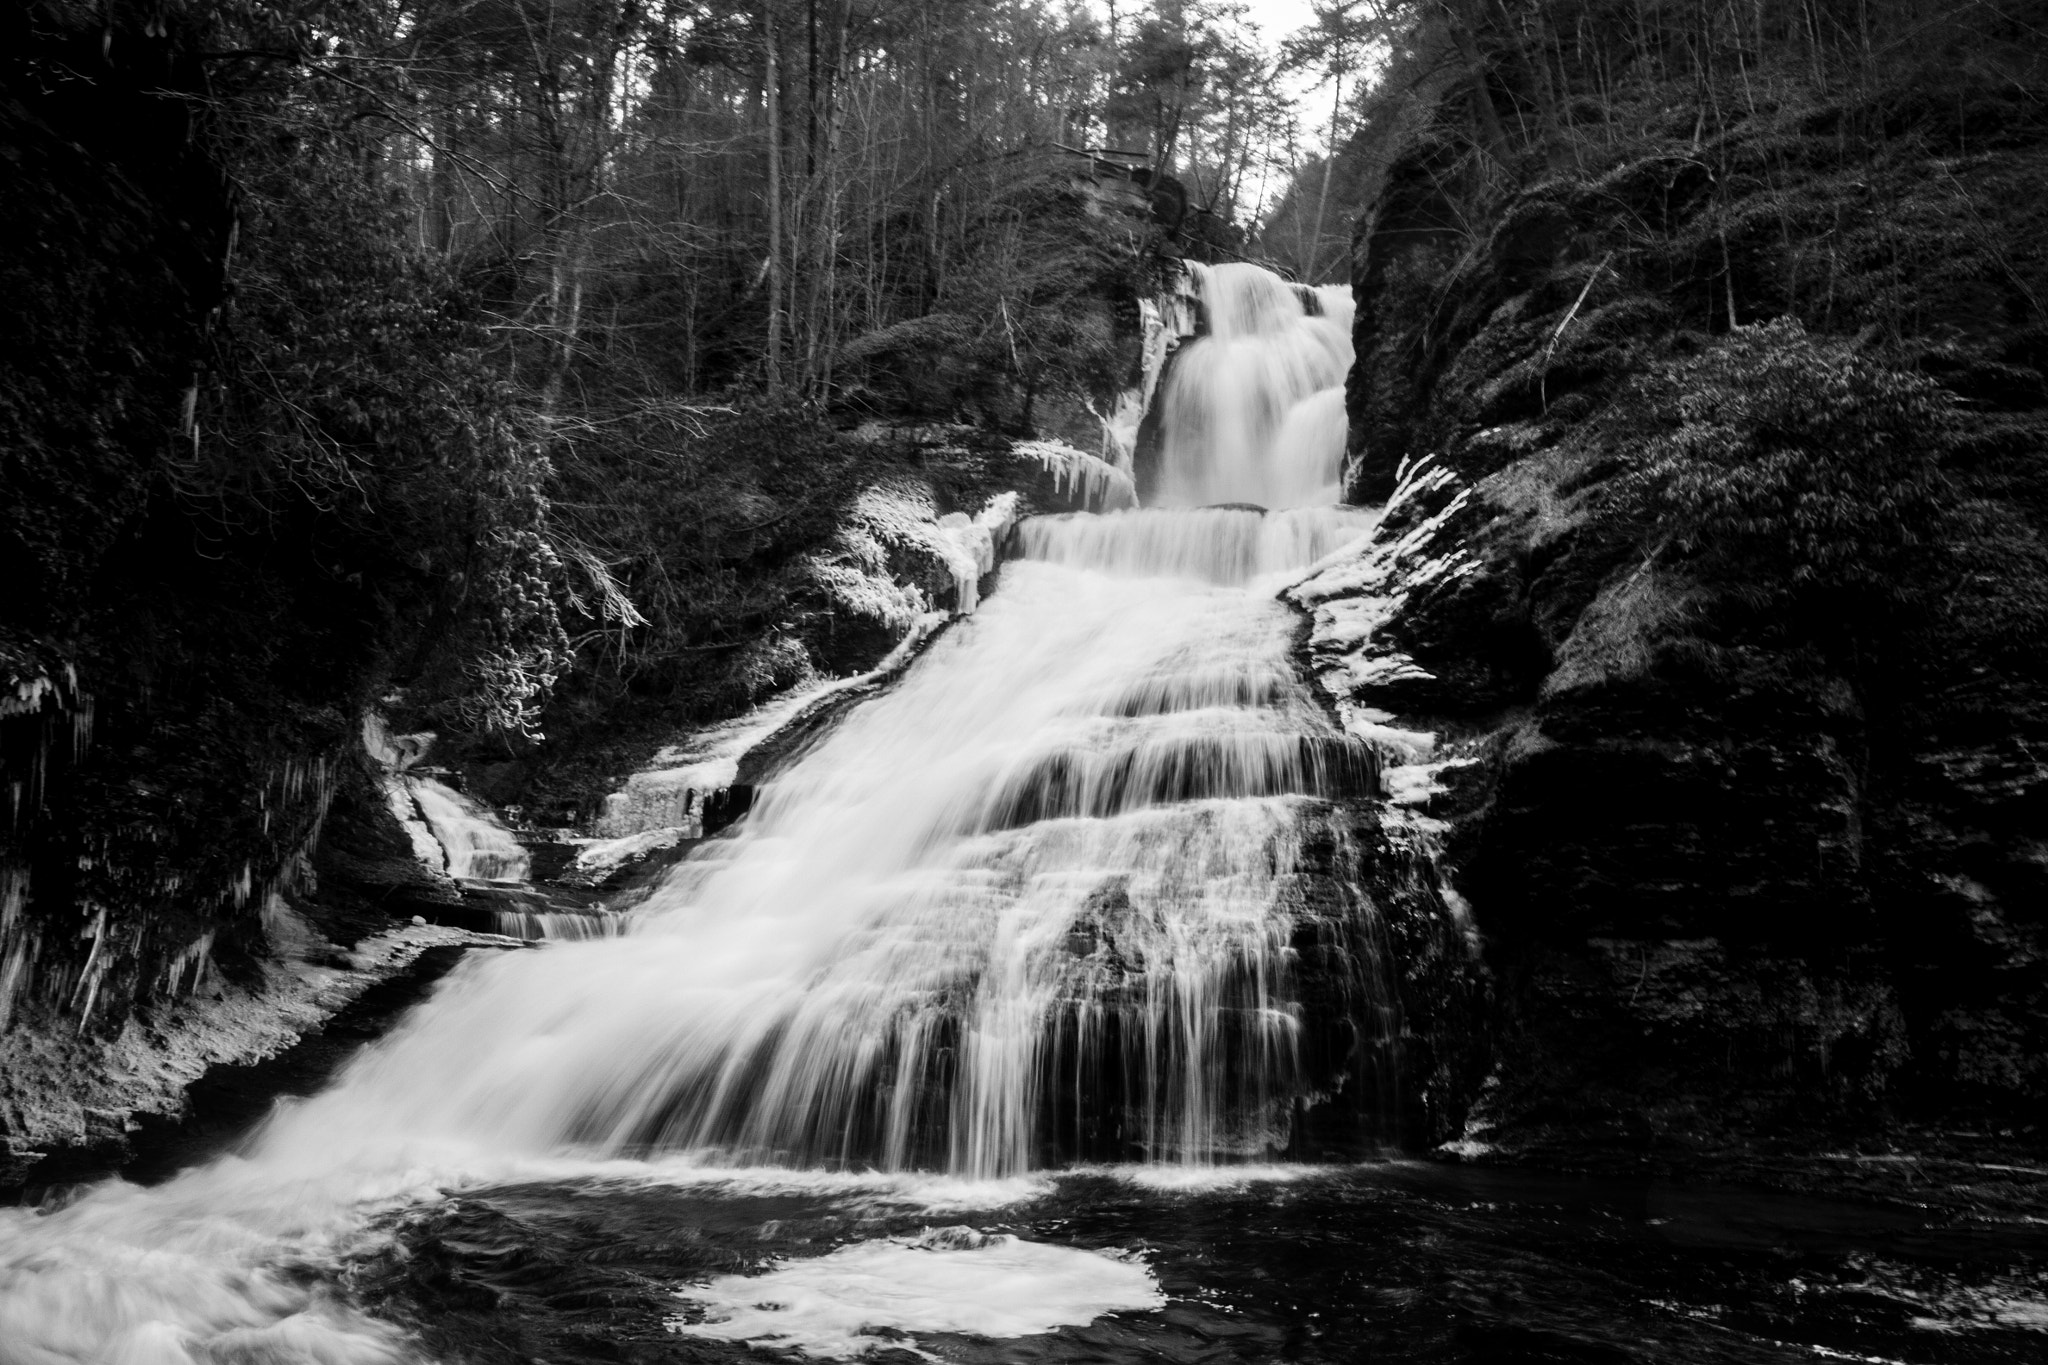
(1073, 784)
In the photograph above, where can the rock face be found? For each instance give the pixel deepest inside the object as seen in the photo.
(155, 800)
(1758, 842)
(189, 627)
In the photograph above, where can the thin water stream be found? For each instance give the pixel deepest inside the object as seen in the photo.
(960, 1045)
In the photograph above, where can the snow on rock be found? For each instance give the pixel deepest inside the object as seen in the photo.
(974, 546)
(599, 858)
(666, 802)
(1350, 597)
(393, 754)
(669, 796)
(894, 522)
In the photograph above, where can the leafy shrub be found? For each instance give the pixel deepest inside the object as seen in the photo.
(255, 466)
(1792, 469)
(349, 414)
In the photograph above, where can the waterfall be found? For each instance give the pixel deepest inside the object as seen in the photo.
(1086, 884)
(1039, 902)
(1253, 407)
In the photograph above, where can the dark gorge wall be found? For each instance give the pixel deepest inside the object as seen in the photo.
(119, 230)
(148, 814)
(1738, 639)
(215, 552)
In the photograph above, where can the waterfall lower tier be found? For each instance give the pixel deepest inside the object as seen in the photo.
(1089, 884)
(1228, 546)
(1097, 879)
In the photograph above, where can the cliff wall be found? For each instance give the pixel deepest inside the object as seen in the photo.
(1722, 445)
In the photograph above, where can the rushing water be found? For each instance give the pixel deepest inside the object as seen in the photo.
(1093, 883)
(1254, 408)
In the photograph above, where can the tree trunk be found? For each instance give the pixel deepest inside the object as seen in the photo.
(1493, 133)
(771, 79)
(1548, 126)
(1315, 246)
(823, 338)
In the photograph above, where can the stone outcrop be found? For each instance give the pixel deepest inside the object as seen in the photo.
(1749, 859)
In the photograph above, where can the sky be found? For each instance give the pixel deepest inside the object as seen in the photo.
(1279, 17)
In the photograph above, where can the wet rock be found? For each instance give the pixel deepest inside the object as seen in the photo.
(1737, 879)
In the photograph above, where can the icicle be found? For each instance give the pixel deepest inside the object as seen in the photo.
(1097, 484)
(18, 943)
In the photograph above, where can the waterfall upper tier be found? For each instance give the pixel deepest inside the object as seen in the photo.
(1229, 431)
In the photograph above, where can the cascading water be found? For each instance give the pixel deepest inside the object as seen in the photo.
(1089, 884)
(1040, 901)
(1253, 408)
(1077, 888)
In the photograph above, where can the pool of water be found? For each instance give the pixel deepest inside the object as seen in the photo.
(1391, 1262)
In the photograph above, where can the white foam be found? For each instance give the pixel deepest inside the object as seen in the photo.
(188, 1273)
(841, 1304)
(1208, 1179)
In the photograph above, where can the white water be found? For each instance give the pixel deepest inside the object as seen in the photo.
(556, 925)
(1040, 902)
(950, 1280)
(1253, 409)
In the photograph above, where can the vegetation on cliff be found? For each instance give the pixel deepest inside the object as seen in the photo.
(254, 458)
(1729, 318)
